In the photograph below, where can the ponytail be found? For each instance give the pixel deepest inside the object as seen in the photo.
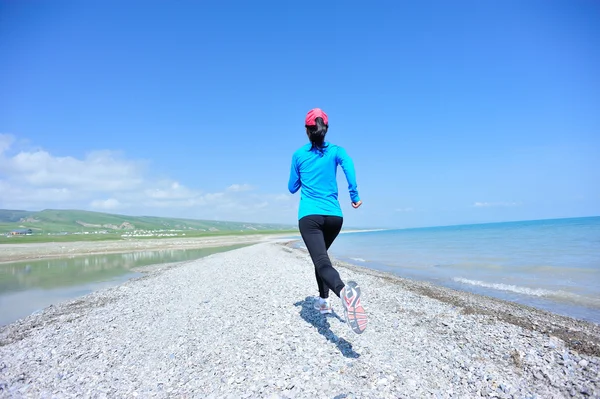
(316, 134)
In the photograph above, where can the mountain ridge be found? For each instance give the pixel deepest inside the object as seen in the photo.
(73, 220)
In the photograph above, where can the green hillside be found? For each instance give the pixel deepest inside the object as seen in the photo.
(9, 216)
(75, 221)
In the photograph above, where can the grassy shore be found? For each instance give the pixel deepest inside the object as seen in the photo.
(39, 238)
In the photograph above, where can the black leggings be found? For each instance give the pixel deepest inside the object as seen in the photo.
(318, 233)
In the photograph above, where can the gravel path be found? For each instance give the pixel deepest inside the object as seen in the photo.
(241, 324)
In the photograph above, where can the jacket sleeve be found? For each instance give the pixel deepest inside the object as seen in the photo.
(294, 182)
(348, 167)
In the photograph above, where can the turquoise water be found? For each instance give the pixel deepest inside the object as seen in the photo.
(549, 264)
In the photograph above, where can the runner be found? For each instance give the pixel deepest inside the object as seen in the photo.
(320, 217)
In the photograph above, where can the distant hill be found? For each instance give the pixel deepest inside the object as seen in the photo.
(8, 216)
(56, 221)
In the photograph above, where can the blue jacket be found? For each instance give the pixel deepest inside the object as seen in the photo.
(316, 174)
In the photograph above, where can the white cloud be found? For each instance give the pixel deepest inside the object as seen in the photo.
(494, 204)
(282, 197)
(22, 194)
(98, 171)
(404, 210)
(240, 187)
(110, 203)
(214, 196)
(6, 141)
(168, 190)
(105, 180)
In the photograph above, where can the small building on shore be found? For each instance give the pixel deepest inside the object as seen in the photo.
(21, 232)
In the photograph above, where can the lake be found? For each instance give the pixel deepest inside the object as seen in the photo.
(30, 286)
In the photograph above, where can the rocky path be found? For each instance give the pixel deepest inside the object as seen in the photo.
(241, 324)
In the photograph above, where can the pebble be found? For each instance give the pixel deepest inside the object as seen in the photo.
(160, 336)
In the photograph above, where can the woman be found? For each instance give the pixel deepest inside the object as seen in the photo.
(314, 168)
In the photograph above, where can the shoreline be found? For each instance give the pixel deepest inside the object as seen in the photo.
(22, 252)
(585, 310)
(47, 250)
(351, 231)
(579, 334)
(422, 340)
(526, 316)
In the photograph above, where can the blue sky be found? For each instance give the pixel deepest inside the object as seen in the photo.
(454, 112)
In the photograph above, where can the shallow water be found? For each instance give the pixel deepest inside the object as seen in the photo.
(30, 286)
(549, 264)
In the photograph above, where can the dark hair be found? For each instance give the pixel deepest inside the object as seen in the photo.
(316, 134)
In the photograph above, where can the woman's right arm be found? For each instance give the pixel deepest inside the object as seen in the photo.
(294, 183)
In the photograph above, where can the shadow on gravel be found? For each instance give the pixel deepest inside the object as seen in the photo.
(312, 316)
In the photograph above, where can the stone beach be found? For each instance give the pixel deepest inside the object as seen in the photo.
(241, 324)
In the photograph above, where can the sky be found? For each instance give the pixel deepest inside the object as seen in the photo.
(453, 112)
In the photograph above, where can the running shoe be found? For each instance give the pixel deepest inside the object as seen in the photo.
(354, 312)
(322, 305)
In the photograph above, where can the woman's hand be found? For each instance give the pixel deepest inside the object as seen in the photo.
(356, 204)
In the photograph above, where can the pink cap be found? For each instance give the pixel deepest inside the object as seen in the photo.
(314, 114)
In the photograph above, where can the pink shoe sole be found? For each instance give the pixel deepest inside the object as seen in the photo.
(354, 312)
